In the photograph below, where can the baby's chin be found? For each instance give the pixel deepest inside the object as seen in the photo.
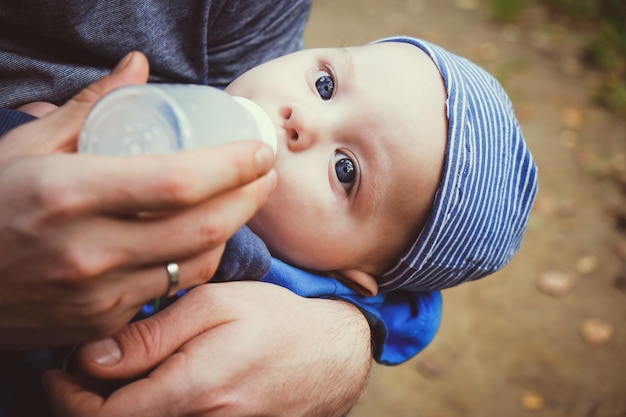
(287, 254)
(291, 248)
(264, 234)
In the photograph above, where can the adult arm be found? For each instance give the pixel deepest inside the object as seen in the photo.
(227, 350)
(402, 323)
(317, 368)
(76, 262)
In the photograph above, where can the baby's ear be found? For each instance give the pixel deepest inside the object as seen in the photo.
(364, 283)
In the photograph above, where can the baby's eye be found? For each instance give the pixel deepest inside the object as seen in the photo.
(325, 84)
(346, 171)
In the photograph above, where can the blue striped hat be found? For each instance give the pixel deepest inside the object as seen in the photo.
(488, 186)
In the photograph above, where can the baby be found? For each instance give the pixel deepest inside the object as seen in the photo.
(400, 166)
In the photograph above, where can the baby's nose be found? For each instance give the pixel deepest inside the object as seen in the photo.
(297, 124)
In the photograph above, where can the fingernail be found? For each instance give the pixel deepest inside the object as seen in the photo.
(264, 158)
(123, 63)
(104, 352)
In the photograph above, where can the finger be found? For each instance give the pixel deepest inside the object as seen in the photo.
(142, 286)
(160, 394)
(125, 185)
(123, 243)
(67, 397)
(145, 397)
(58, 130)
(132, 69)
(142, 345)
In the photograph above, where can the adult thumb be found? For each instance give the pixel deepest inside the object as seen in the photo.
(142, 345)
(132, 69)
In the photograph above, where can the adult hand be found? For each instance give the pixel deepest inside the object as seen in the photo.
(236, 349)
(77, 261)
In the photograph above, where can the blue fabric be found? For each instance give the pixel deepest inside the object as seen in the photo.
(489, 183)
(403, 323)
(245, 257)
(12, 118)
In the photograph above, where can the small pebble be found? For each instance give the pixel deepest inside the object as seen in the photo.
(596, 332)
(555, 284)
(587, 264)
(532, 401)
(572, 118)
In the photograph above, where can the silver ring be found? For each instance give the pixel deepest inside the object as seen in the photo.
(173, 277)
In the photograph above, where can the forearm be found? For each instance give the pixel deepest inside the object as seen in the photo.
(245, 349)
(347, 375)
(402, 322)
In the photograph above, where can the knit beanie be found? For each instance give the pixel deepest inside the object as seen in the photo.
(489, 183)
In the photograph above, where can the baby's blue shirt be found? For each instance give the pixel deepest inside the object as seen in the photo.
(403, 323)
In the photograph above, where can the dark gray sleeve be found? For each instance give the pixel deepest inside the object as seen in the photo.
(245, 258)
(50, 49)
(253, 32)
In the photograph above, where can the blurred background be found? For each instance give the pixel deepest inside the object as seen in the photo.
(546, 336)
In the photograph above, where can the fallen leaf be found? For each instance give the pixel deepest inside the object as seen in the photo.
(596, 332)
(532, 401)
(572, 118)
(555, 284)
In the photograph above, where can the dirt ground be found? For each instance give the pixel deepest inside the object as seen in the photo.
(507, 346)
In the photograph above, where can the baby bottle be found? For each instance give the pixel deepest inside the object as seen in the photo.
(165, 118)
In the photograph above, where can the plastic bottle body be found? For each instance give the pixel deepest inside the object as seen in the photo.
(165, 118)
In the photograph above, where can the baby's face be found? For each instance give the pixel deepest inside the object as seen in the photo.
(361, 141)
